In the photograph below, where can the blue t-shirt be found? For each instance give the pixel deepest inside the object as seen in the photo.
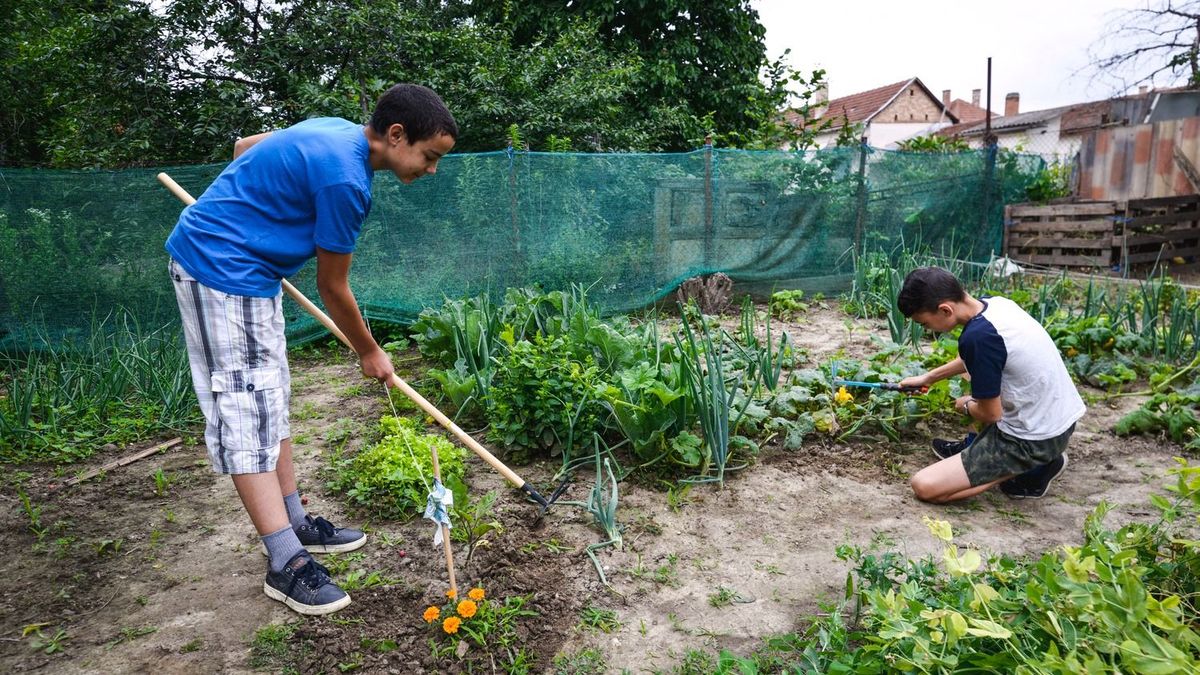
(265, 215)
(1010, 355)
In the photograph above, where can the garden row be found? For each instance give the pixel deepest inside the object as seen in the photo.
(691, 398)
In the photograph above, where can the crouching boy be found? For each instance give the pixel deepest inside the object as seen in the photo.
(1021, 396)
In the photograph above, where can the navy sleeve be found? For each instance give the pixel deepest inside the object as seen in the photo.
(983, 351)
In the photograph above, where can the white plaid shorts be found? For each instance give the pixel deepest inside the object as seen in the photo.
(238, 355)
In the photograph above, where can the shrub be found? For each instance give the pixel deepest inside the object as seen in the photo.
(544, 399)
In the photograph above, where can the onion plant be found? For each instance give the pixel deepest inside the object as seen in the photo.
(703, 374)
(764, 363)
(602, 504)
(120, 382)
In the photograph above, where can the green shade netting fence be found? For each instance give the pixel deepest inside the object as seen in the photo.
(76, 246)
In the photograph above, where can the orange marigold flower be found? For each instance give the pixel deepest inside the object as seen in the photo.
(451, 624)
(452, 594)
(467, 609)
(432, 614)
(475, 594)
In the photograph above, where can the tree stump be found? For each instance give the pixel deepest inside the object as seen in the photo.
(711, 293)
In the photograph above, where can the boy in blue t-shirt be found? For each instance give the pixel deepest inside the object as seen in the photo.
(286, 197)
(1021, 393)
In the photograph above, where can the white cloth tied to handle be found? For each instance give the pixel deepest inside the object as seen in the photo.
(437, 509)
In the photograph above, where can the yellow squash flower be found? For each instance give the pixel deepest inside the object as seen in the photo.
(432, 614)
(939, 528)
(475, 594)
(467, 609)
(451, 624)
(842, 396)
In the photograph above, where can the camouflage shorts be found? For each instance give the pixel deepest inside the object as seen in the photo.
(995, 454)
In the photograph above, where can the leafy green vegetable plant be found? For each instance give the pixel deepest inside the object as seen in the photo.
(543, 398)
(392, 478)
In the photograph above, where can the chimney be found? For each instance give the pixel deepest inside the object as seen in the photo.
(946, 97)
(975, 97)
(1012, 104)
(1142, 90)
(820, 99)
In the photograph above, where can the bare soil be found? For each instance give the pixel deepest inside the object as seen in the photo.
(178, 586)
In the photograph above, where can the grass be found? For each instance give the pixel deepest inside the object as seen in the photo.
(590, 661)
(131, 633)
(193, 646)
(600, 620)
(722, 597)
(272, 648)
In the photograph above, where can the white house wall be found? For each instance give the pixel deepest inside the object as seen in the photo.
(885, 135)
(1042, 140)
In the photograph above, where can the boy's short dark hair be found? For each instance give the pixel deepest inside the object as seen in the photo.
(927, 287)
(421, 111)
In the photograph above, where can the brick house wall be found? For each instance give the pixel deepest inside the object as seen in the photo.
(912, 105)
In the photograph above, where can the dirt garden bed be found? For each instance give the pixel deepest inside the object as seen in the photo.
(142, 578)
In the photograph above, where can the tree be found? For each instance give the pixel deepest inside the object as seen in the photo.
(84, 84)
(125, 82)
(705, 54)
(1143, 45)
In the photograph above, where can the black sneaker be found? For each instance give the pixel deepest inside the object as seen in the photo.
(305, 586)
(1034, 483)
(318, 535)
(945, 449)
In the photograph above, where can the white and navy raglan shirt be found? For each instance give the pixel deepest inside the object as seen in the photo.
(1010, 355)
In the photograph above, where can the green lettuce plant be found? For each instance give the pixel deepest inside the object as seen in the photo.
(392, 477)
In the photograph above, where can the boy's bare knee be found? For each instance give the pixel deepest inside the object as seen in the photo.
(923, 488)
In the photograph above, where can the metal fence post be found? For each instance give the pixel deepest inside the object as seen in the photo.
(860, 220)
(708, 202)
(512, 199)
(989, 179)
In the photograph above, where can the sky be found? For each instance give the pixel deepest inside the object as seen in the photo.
(1037, 46)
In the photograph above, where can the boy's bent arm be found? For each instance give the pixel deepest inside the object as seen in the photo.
(955, 367)
(243, 144)
(985, 410)
(333, 284)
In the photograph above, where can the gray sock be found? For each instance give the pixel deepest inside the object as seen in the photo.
(295, 509)
(281, 545)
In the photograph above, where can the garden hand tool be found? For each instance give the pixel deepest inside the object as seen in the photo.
(886, 386)
(403, 386)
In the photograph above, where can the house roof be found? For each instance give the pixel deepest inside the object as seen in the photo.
(966, 111)
(862, 107)
(1033, 118)
(1080, 117)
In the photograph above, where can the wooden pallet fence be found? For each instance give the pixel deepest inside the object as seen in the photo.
(1163, 229)
(1062, 235)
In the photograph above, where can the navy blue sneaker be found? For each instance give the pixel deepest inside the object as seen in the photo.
(1034, 483)
(318, 535)
(305, 586)
(945, 449)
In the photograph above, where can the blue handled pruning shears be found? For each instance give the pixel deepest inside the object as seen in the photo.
(886, 386)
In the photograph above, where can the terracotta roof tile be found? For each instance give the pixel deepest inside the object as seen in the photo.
(966, 111)
(861, 106)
